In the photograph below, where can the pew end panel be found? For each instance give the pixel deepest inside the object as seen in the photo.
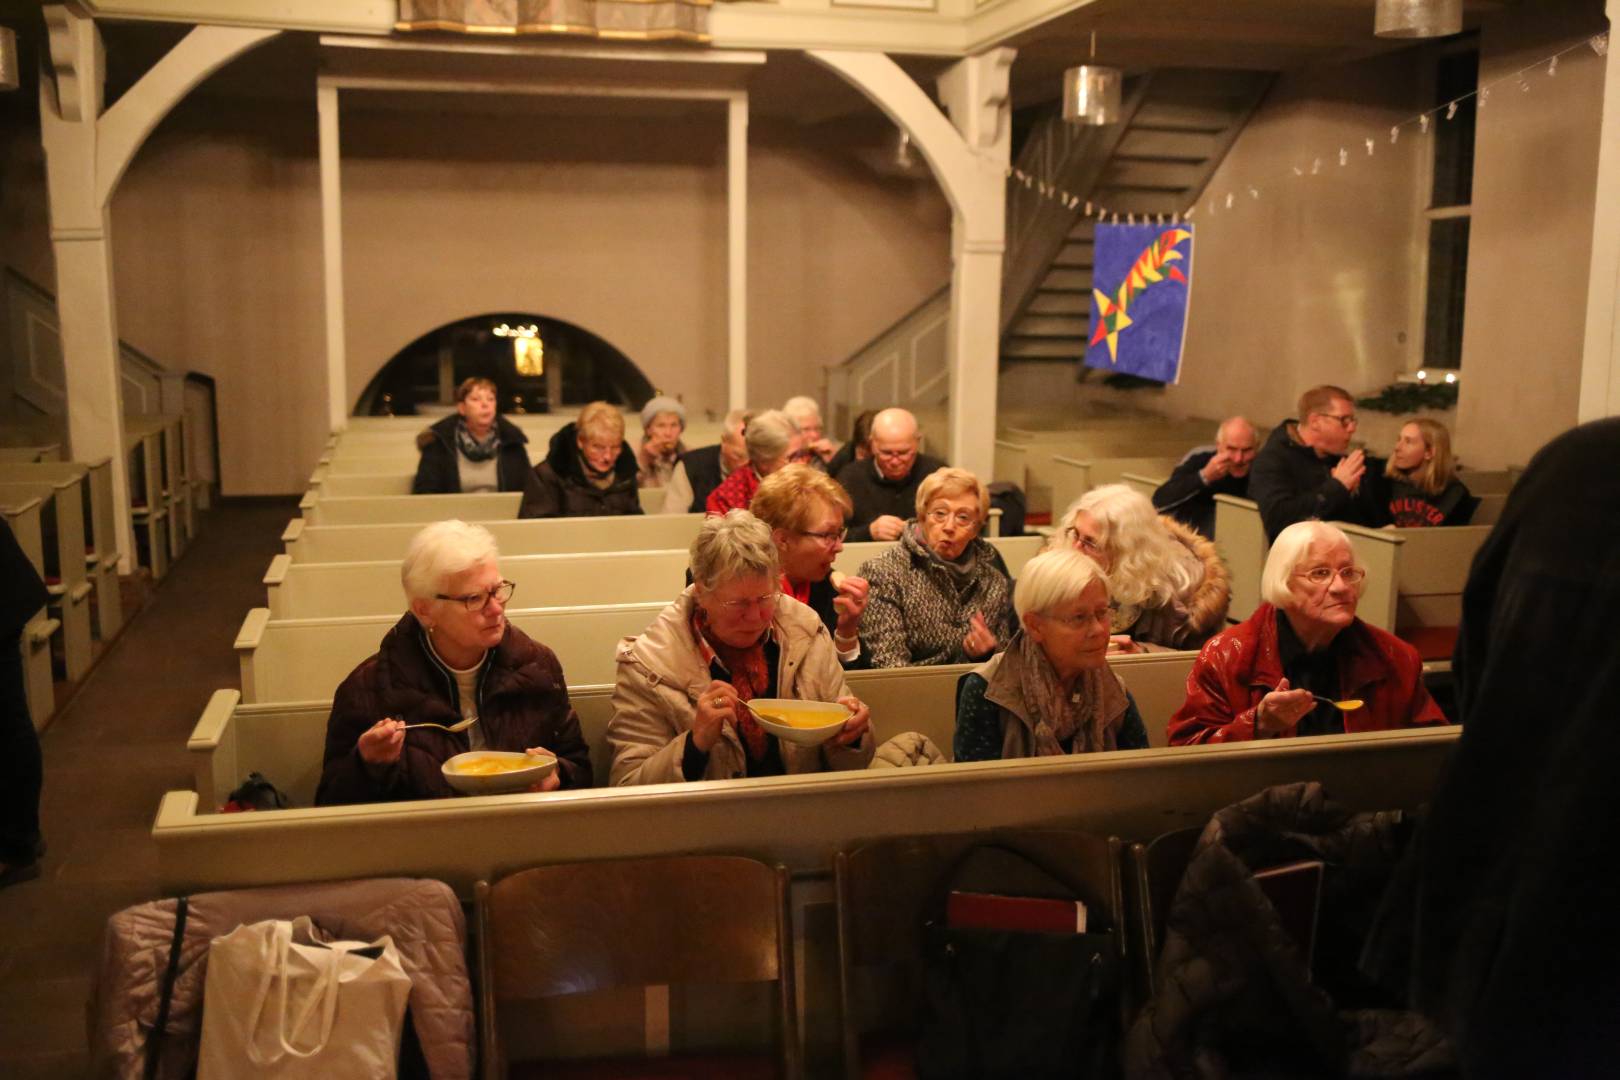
(248, 640)
(1143, 483)
(1240, 537)
(1379, 552)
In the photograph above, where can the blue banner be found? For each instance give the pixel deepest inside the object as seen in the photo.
(1141, 281)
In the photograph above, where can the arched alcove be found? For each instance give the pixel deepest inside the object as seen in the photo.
(538, 365)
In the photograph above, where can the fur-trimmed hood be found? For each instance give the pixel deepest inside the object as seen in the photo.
(1207, 605)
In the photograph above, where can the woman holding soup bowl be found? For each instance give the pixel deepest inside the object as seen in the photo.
(730, 637)
(452, 657)
(1051, 692)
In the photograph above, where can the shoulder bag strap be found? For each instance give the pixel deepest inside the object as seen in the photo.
(154, 1043)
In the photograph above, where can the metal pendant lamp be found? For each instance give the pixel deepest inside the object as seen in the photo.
(1092, 92)
(1418, 18)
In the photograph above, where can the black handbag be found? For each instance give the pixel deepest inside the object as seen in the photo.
(1015, 1003)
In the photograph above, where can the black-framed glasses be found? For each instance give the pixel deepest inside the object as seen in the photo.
(1347, 421)
(478, 601)
(1321, 575)
(827, 538)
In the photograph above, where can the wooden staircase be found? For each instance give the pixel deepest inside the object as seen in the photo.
(1176, 129)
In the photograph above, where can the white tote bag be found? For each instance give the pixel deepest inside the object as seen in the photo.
(274, 1008)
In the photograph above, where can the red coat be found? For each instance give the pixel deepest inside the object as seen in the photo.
(1236, 668)
(734, 493)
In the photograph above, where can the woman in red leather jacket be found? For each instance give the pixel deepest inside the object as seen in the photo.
(1265, 677)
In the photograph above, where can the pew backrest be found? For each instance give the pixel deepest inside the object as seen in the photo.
(410, 509)
(366, 542)
(1144, 483)
(1073, 477)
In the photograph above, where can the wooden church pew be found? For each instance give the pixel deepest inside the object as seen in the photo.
(419, 509)
(101, 544)
(285, 741)
(306, 590)
(62, 524)
(22, 515)
(1073, 477)
(1146, 483)
(148, 505)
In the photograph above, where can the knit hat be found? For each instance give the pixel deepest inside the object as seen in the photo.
(662, 404)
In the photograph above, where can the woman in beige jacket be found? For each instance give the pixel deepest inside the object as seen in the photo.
(730, 637)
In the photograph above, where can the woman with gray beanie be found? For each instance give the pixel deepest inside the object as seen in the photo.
(663, 419)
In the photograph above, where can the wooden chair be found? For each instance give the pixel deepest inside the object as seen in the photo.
(554, 931)
(882, 890)
(1156, 870)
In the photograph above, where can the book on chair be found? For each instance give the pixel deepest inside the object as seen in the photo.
(992, 911)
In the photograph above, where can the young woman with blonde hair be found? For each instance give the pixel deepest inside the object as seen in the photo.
(1424, 489)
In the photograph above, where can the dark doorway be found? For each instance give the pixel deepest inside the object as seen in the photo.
(537, 364)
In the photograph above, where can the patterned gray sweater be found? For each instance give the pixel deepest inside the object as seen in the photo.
(917, 611)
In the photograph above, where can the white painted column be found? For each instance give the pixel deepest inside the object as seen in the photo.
(1600, 362)
(737, 252)
(337, 365)
(969, 160)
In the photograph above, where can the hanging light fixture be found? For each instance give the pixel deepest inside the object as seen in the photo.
(10, 74)
(1092, 92)
(1418, 18)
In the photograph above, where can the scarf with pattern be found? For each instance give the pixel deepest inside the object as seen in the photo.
(1090, 714)
(750, 677)
(477, 449)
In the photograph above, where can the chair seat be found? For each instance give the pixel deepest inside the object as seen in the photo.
(699, 1066)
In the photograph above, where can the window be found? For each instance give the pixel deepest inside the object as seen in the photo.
(1449, 208)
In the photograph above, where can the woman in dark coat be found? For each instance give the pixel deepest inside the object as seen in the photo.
(453, 657)
(473, 449)
(1516, 933)
(589, 471)
(22, 593)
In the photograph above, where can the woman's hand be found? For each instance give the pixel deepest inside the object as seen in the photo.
(1282, 709)
(382, 742)
(850, 604)
(980, 642)
(886, 527)
(859, 722)
(716, 707)
(553, 779)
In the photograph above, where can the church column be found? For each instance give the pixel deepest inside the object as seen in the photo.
(86, 154)
(968, 153)
(1600, 365)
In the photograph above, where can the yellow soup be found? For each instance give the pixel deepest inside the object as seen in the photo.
(799, 718)
(491, 766)
(1352, 705)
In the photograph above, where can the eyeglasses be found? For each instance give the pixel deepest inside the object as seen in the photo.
(1104, 615)
(895, 455)
(763, 603)
(477, 601)
(1321, 575)
(827, 538)
(1086, 544)
(1347, 421)
(940, 516)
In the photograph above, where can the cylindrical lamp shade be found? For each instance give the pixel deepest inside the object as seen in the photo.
(10, 77)
(1418, 18)
(1091, 94)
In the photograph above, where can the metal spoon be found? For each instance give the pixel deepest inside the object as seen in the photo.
(460, 725)
(1350, 705)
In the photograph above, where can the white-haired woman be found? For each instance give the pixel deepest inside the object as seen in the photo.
(773, 441)
(452, 657)
(663, 419)
(1051, 691)
(730, 637)
(804, 412)
(1169, 583)
(1274, 674)
(941, 594)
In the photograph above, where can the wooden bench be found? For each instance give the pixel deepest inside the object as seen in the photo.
(286, 741)
(1145, 482)
(415, 509)
(62, 523)
(306, 543)
(22, 515)
(1031, 465)
(27, 455)
(149, 509)
(306, 659)
(101, 542)
(1073, 477)
(306, 590)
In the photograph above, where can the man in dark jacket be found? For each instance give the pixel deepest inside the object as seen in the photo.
(1189, 494)
(472, 449)
(1308, 470)
(22, 593)
(589, 471)
(884, 487)
(702, 469)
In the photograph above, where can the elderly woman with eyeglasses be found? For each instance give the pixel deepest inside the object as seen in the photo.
(941, 594)
(806, 510)
(1277, 673)
(1168, 583)
(730, 637)
(1051, 691)
(452, 658)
